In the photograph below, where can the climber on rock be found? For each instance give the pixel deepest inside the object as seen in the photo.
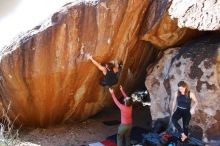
(111, 71)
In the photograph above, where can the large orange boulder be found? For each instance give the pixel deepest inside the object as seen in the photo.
(45, 75)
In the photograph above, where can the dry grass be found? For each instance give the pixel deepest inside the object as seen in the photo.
(8, 134)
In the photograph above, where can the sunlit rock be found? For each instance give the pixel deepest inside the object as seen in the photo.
(45, 74)
(196, 14)
(159, 29)
(197, 63)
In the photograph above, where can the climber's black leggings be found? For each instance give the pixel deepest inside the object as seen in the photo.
(185, 115)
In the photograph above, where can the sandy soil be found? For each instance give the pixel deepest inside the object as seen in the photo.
(80, 134)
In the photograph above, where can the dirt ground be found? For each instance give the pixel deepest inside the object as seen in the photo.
(83, 133)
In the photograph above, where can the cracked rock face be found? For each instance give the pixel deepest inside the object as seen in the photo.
(196, 14)
(198, 64)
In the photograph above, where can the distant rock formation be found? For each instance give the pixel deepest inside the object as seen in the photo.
(197, 63)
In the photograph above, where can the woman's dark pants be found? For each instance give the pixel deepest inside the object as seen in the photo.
(185, 115)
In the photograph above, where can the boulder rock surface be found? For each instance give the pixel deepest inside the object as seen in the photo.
(196, 14)
(45, 75)
(197, 63)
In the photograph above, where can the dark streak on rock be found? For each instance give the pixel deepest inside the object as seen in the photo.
(203, 48)
(209, 87)
(210, 75)
(166, 84)
(55, 17)
(178, 64)
(155, 82)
